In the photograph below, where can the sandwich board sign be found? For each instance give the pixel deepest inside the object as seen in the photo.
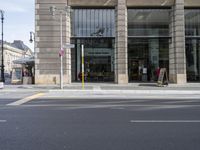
(163, 78)
(16, 76)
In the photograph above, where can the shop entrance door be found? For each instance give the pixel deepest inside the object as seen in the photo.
(138, 69)
(145, 56)
(138, 61)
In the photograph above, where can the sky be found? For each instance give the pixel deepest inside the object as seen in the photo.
(19, 20)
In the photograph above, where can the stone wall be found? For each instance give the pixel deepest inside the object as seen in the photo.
(47, 43)
(177, 58)
(121, 58)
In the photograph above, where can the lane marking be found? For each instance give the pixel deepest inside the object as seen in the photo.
(25, 100)
(3, 121)
(165, 121)
(112, 105)
(96, 88)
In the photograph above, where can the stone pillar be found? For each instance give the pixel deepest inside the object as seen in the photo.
(68, 51)
(177, 58)
(121, 59)
(47, 43)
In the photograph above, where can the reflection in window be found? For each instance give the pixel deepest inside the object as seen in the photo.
(148, 43)
(149, 53)
(148, 22)
(192, 22)
(192, 31)
(93, 23)
(193, 59)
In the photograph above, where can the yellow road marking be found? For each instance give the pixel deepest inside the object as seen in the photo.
(25, 100)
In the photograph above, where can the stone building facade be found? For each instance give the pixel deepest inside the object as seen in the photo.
(13, 51)
(124, 40)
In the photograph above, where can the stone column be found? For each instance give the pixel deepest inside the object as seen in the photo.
(177, 58)
(47, 43)
(68, 51)
(121, 67)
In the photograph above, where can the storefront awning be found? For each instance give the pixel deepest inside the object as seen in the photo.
(25, 61)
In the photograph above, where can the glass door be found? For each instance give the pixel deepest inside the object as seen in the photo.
(137, 60)
(145, 55)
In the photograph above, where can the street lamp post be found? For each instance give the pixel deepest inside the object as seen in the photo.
(31, 40)
(53, 10)
(32, 37)
(2, 57)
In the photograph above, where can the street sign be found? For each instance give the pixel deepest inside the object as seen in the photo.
(61, 52)
(68, 46)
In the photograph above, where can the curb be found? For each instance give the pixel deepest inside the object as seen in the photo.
(119, 92)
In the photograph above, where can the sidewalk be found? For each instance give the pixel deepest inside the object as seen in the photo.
(108, 87)
(109, 91)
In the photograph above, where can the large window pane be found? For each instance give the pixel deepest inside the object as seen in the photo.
(98, 59)
(192, 22)
(147, 54)
(193, 59)
(192, 31)
(148, 43)
(148, 22)
(93, 23)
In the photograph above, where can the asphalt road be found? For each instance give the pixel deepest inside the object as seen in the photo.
(66, 124)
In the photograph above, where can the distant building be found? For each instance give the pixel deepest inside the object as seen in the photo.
(13, 51)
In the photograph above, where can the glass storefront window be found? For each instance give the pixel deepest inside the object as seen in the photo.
(93, 23)
(193, 59)
(147, 54)
(192, 22)
(98, 59)
(192, 33)
(148, 43)
(148, 22)
(95, 29)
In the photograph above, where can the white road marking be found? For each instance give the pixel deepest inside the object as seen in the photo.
(119, 102)
(96, 88)
(116, 105)
(3, 121)
(165, 121)
(25, 100)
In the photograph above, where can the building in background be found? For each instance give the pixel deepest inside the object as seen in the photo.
(14, 51)
(124, 40)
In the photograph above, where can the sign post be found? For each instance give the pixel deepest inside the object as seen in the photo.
(82, 51)
(61, 52)
(53, 10)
